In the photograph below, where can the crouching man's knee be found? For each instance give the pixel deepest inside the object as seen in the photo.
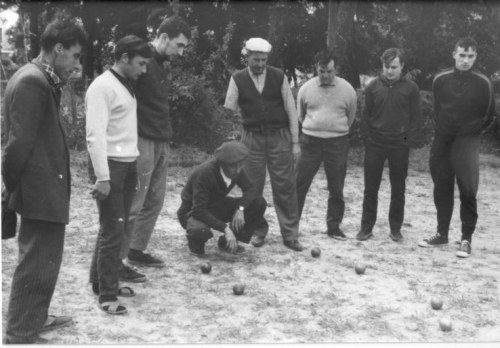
(199, 231)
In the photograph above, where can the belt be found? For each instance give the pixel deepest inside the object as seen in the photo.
(263, 130)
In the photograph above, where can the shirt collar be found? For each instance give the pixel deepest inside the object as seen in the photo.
(225, 178)
(330, 84)
(256, 76)
(157, 56)
(56, 80)
(386, 80)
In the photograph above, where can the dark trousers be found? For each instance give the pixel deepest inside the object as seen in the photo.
(41, 245)
(376, 153)
(333, 153)
(224, 210)
(455, 157)
(273, 151)
(113, 217)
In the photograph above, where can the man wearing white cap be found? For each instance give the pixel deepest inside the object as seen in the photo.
(262, 96)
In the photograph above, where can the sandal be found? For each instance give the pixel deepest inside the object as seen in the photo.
(113, 307)
(54, 322)
(125, 291)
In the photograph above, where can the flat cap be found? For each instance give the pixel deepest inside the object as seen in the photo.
(231, 152)
(257, 44)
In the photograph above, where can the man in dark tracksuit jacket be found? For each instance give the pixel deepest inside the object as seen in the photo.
(36, 173)
(205, 205)
(391, 123)
(463, 107)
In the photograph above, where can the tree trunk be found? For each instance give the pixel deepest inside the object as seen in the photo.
(331, 39)
(276, 35)
(34, 11)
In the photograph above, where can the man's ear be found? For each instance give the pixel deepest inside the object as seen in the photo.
(58, 48)
(124, 58)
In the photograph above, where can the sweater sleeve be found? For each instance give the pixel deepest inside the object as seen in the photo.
(301, 104)
(352, 106)
(367, 112)
(27, 107)
(98, 111)
(290, 110)
(415, 116)
(490, 110)
(248, 188)
(201, 197)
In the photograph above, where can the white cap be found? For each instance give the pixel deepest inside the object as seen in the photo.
(256, 44)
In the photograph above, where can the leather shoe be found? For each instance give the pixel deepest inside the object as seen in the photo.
(293, 244)
(396, 236)
(364, 235)
(258, 241)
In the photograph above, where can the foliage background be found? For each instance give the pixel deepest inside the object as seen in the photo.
(358, 31)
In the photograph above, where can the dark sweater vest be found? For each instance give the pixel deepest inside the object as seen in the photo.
(264, 110)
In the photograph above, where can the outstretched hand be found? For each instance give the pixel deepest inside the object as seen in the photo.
(238, 221)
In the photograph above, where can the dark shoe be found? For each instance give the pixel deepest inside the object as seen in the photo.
(34, 340)
(337, 234)
(138, 258)
(195, 248)
(364, 235)
(258, 241)
(436, 240)
(54, 322)
(293, 244)
(128, 274)
(465, 249)
(396, 236)
(222, 243)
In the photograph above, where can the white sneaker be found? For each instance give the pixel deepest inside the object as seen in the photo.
(465, 249)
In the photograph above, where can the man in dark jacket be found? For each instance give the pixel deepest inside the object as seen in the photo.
(205, 204)
(155, 135)
(36, 173)
(463, 107)
(390, 123)
(262, 96)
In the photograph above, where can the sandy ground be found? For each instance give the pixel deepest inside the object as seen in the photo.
(291, 297)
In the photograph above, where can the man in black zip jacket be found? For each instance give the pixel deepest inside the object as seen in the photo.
(463, 107)
(205, 204)
(391, 123)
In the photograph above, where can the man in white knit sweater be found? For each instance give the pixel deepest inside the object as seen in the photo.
(111, 113)
(327, 106)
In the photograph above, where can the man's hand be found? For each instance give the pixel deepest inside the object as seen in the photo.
(296, 152)
(238, 221)
(101, 190)
(232, 243)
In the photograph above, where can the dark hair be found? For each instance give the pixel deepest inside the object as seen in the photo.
(324, 58)
(65, 31)
(392, 53)
(133, 46)
(466, 42)
(174, 26)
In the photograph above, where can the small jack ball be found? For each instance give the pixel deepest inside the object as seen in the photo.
(206, 268)
(238, 289)
(315, 252)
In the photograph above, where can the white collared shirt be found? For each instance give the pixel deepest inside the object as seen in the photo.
(225, 178)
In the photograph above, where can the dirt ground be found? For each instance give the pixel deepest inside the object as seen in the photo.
(291, 297)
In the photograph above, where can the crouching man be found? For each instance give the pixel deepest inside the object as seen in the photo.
(205, 204)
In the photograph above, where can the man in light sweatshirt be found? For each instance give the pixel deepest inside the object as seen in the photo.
(326, 106)
(111, 114)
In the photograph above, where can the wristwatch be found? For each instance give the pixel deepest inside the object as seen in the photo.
(241, 208)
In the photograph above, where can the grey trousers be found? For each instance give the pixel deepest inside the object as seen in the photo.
(148, 200)
(274, 151)
(41, 245)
